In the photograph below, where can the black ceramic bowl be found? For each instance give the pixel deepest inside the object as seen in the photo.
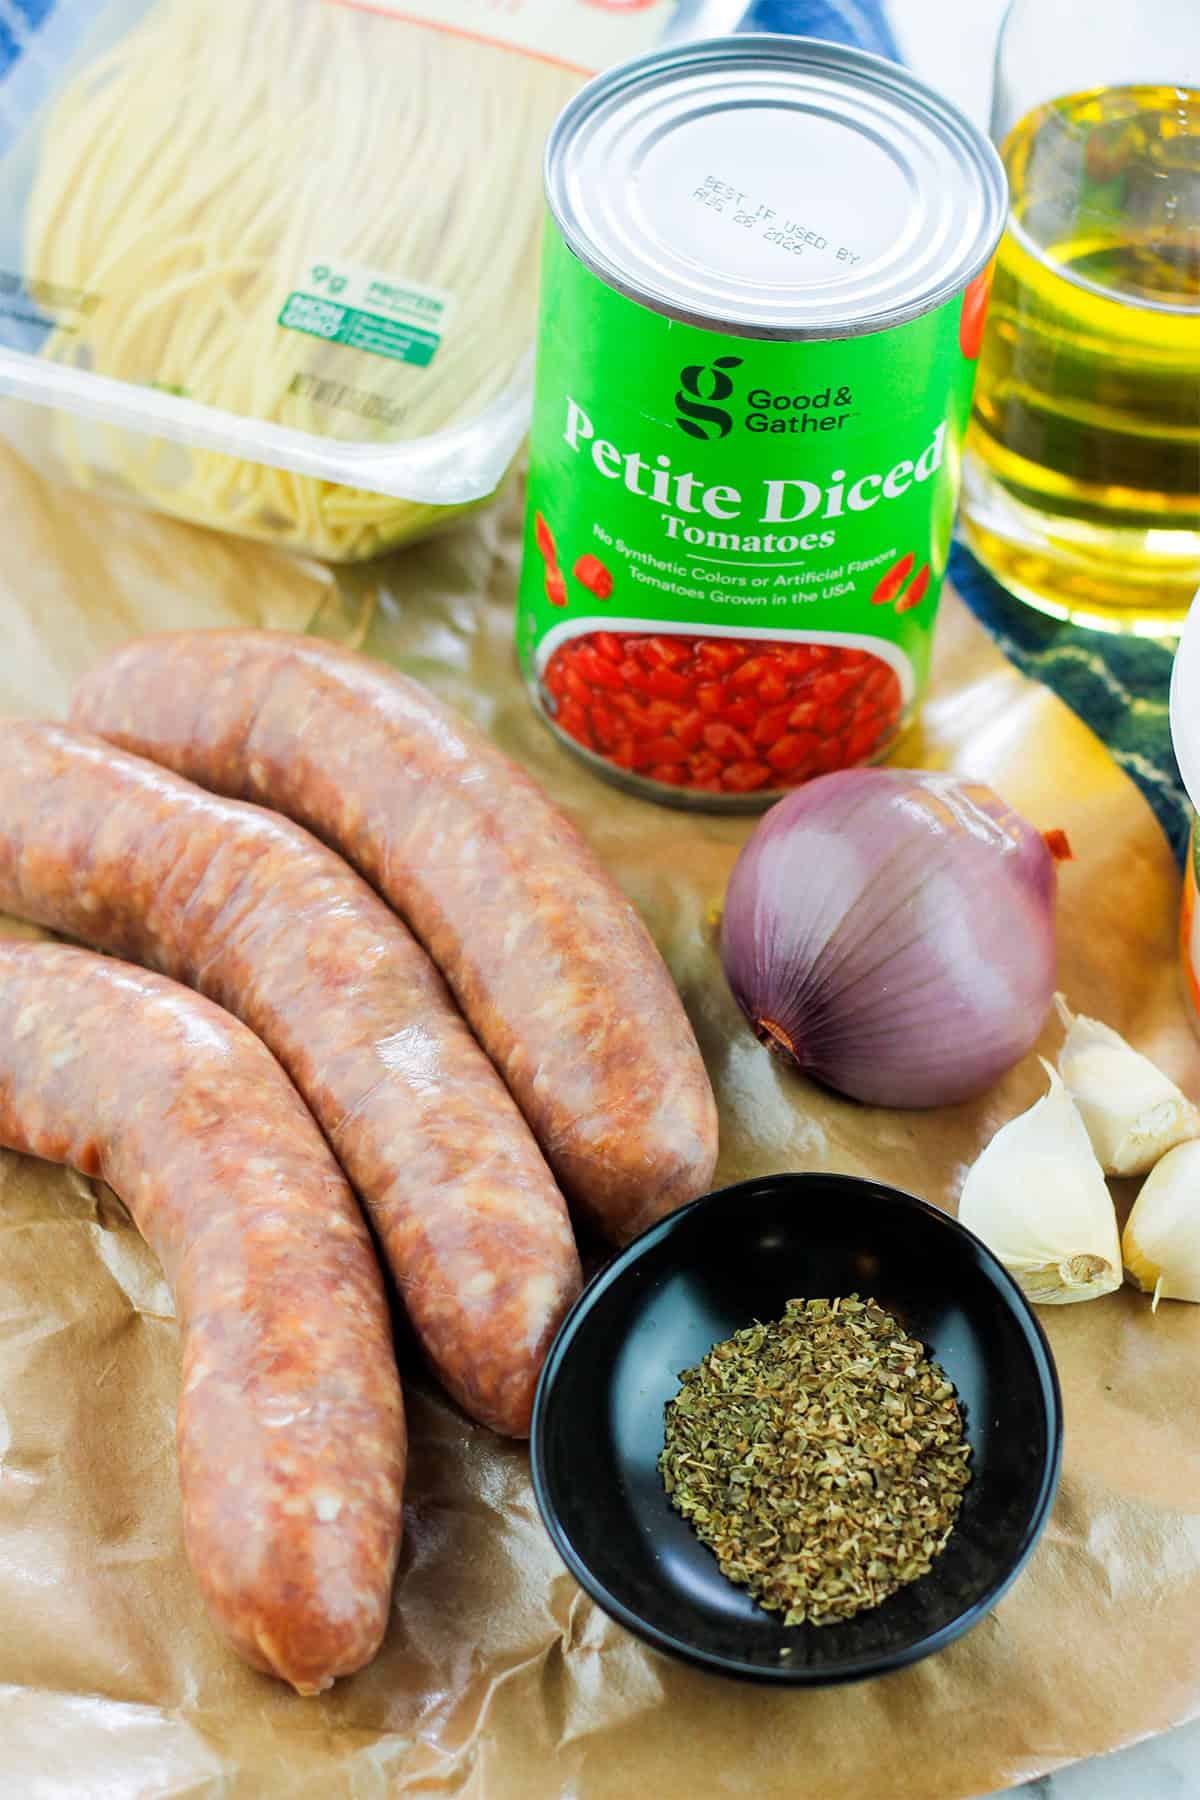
(700, 1275)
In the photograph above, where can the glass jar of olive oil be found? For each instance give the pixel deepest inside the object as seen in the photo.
(1082, 478)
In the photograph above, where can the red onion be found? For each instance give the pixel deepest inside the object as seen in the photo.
(891, 933)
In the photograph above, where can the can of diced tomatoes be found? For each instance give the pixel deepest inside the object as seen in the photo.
(763, 284)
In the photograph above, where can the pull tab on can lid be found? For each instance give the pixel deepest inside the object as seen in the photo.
(775, 187)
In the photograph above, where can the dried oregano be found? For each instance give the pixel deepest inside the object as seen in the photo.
(821, 1457)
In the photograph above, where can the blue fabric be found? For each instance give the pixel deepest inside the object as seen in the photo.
(1117, 685)
(31, 13)
(34, 12)
(861, 23)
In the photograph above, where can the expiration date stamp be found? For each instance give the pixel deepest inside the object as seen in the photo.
(794, 236)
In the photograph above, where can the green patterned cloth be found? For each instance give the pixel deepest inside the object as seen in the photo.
(1118, 685)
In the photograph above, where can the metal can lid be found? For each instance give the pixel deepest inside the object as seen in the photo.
(774, 187)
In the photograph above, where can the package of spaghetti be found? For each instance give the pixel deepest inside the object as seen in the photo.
(271, 265)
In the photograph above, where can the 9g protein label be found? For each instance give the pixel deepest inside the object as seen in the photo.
(734, 547)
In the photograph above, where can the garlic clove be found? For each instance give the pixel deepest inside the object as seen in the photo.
(1037, 1197)
(1161, 1245)
(1133, 1113)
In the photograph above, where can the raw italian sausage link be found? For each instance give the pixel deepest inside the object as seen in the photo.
(550, 963)
(290, 1428)
(271, 925)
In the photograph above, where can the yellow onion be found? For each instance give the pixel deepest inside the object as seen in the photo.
(891, 932)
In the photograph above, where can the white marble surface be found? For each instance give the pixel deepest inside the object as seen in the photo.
(1161, 1768)
(950, 43)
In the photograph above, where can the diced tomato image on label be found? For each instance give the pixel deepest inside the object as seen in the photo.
(973, 317)
(916, 590)
(556, 587)
(545, 540)
(722, 715)
(595, 576)
(893, 581)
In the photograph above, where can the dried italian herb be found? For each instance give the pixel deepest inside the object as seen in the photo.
(821, 1457)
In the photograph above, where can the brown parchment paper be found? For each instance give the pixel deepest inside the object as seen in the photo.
(499, 1680)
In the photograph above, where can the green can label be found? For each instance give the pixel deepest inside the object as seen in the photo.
(734, 546)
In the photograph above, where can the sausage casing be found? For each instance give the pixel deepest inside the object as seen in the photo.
(270, 924)
(290, 1427)
(550, 963)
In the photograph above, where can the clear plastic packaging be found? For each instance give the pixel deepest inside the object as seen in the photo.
(271, 266)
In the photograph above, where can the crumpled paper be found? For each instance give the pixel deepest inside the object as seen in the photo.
(499, 1680)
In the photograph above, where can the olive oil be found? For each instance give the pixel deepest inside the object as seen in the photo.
(1082, 487)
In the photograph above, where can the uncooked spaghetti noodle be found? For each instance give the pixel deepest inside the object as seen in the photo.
(190, 180)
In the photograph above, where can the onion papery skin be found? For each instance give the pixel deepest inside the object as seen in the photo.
(891, 932)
